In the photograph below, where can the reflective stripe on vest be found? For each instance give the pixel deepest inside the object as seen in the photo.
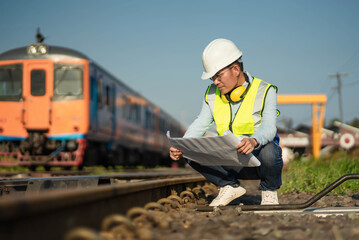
(249, 115)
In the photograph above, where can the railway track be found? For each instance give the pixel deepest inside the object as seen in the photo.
(155, 206)
(31, 174)
(68, 202)
(28, 186)
(8, 175)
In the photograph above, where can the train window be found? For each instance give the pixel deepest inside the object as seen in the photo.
(38, 82)
(93, 82)
(99, 93)
(149, 120)
(162, 125)
(11, 82)
(68, 83)
(136, 113)
(113, 98)
(128, 109)
(132, 116)
(107, 100)
(124, 106)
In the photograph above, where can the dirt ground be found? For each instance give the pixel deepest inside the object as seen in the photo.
(228, 224)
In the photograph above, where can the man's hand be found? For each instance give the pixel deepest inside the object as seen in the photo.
(175, 154)
(247, 145)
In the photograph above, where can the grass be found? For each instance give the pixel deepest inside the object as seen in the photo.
(14, 169)
(313, 175)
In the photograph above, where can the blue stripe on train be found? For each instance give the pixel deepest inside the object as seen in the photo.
(66, 136)
(56, 137)
(11, 138)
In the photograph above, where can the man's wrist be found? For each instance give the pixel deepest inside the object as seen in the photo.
(255, 142)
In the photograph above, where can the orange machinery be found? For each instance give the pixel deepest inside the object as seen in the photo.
(318, 102)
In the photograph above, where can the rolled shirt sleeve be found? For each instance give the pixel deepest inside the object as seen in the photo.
(202, 123)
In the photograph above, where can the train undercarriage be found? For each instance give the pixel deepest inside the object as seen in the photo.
(38, 150)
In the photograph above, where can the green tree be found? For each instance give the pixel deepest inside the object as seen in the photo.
(354, 122)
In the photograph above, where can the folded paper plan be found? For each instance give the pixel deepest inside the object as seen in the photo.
(211, 151)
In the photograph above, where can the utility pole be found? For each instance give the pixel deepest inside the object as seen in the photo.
(339, 88)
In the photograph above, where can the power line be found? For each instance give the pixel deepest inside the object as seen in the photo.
(331, 94)
(351, 83)
(350, 60)
(339, 89)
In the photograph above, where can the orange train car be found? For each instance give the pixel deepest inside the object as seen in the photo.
(60, 108)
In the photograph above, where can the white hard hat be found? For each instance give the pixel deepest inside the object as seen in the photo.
(218, 54)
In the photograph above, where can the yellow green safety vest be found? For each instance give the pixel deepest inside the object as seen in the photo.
(249, 115)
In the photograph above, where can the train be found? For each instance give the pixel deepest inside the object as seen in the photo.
(60, 108)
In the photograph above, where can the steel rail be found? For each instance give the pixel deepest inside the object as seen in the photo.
(290, 206)
(9, 175)
(306, 204)
(11, 187)
(50, 215)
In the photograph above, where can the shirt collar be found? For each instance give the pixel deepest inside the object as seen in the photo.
(250, 79)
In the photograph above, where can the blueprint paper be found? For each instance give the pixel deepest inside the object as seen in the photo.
(214, 151)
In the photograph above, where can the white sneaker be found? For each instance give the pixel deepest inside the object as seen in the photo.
(269, 198)
(226, 195)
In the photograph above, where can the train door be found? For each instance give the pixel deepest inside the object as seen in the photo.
(38, 90)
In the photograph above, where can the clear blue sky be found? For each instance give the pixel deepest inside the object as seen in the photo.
(155, 47)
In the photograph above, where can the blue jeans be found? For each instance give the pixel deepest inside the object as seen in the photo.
(269, 172)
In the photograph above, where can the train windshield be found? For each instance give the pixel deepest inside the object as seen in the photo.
(68, 83)
(11, 82)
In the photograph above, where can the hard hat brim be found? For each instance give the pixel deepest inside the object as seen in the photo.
(206, 75)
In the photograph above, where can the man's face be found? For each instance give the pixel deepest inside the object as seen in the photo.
(226, 79)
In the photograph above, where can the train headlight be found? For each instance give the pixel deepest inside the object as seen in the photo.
(31, 49)
(37, 49)
(42, 49)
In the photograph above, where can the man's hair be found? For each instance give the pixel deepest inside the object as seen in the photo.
(239, 63)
